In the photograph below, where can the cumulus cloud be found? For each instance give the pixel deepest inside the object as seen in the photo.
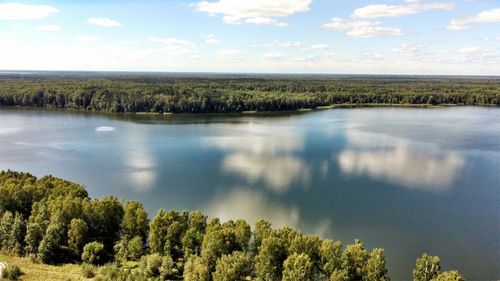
(282, 44)
(105, 22)
(229, 55)
(253, 12)
(17, 11)
(489, 16)
(318, 46)
(362, 28)
(48, 27)
(408, 8)
(210, 39)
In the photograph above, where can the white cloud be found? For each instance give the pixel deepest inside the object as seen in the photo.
(254, 12)
(283, 44)
(474, 50)
(409, 8)
(229, 55)
(17, 11)
(48, 27)
(362, 28)
(408, 48)
(210, 39)
(172, 41)
(86, 38)
(274, 56)
(489, 16)
(318, 47)
(105, 22)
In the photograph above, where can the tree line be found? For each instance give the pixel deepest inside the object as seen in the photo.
(199, 94)
(54, 221)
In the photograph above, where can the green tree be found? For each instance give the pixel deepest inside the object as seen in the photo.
(135, 220)
(426, 268)
(5, 230)
(269, 261)
(375, 267)
(50, 250)
(354, 260)
(93, 253)
(449, 276)
(135, 248)
(36, 227)
(77, 236)
(218, 240)
(233, 267)
(262, 230)
(196, 269)
(243, 234)
(330, 254)
(339, 275)
(298, 267)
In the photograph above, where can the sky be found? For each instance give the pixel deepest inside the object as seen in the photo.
(441, 37)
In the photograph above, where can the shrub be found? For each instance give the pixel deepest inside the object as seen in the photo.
(93, 253)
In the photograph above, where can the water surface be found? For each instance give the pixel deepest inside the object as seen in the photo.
(407, 180)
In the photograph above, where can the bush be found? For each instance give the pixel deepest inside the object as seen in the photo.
(93, 253)
(12, 272)
(88, 270)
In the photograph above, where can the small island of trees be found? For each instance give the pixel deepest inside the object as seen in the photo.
(54, 221)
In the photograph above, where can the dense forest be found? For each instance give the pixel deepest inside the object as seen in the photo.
(54, 221)
(197, 93)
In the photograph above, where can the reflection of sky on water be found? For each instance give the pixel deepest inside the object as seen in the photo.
(400, 161)
(252, 205)
(263, 153)
(338, 173)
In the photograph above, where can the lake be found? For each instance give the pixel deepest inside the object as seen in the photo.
(403, 179)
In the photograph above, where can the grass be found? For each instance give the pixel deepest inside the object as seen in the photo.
(42, 272)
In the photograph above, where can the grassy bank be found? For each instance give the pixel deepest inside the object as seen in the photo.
(42, 272)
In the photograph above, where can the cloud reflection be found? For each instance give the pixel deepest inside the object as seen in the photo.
(264, 153)
(252, 206)
(399, 161)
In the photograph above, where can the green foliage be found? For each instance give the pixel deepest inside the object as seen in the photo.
(375, 267)
(233, 267)
(243, 234)
(339, 275)
(262, 230)
(77, 236)
(135, 220)
(135, 248)
(269, 261)
(298, 267)
(196, 269)
(93, 253)
(330, 254)
(166, 232)
(426, 268)
(12, 232)
(449, 276)
(354, 260)
(50, 249)
(165, 93)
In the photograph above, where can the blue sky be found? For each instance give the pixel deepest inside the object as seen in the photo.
(269, 36)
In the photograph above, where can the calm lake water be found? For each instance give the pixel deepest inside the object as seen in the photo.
(407, 180)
